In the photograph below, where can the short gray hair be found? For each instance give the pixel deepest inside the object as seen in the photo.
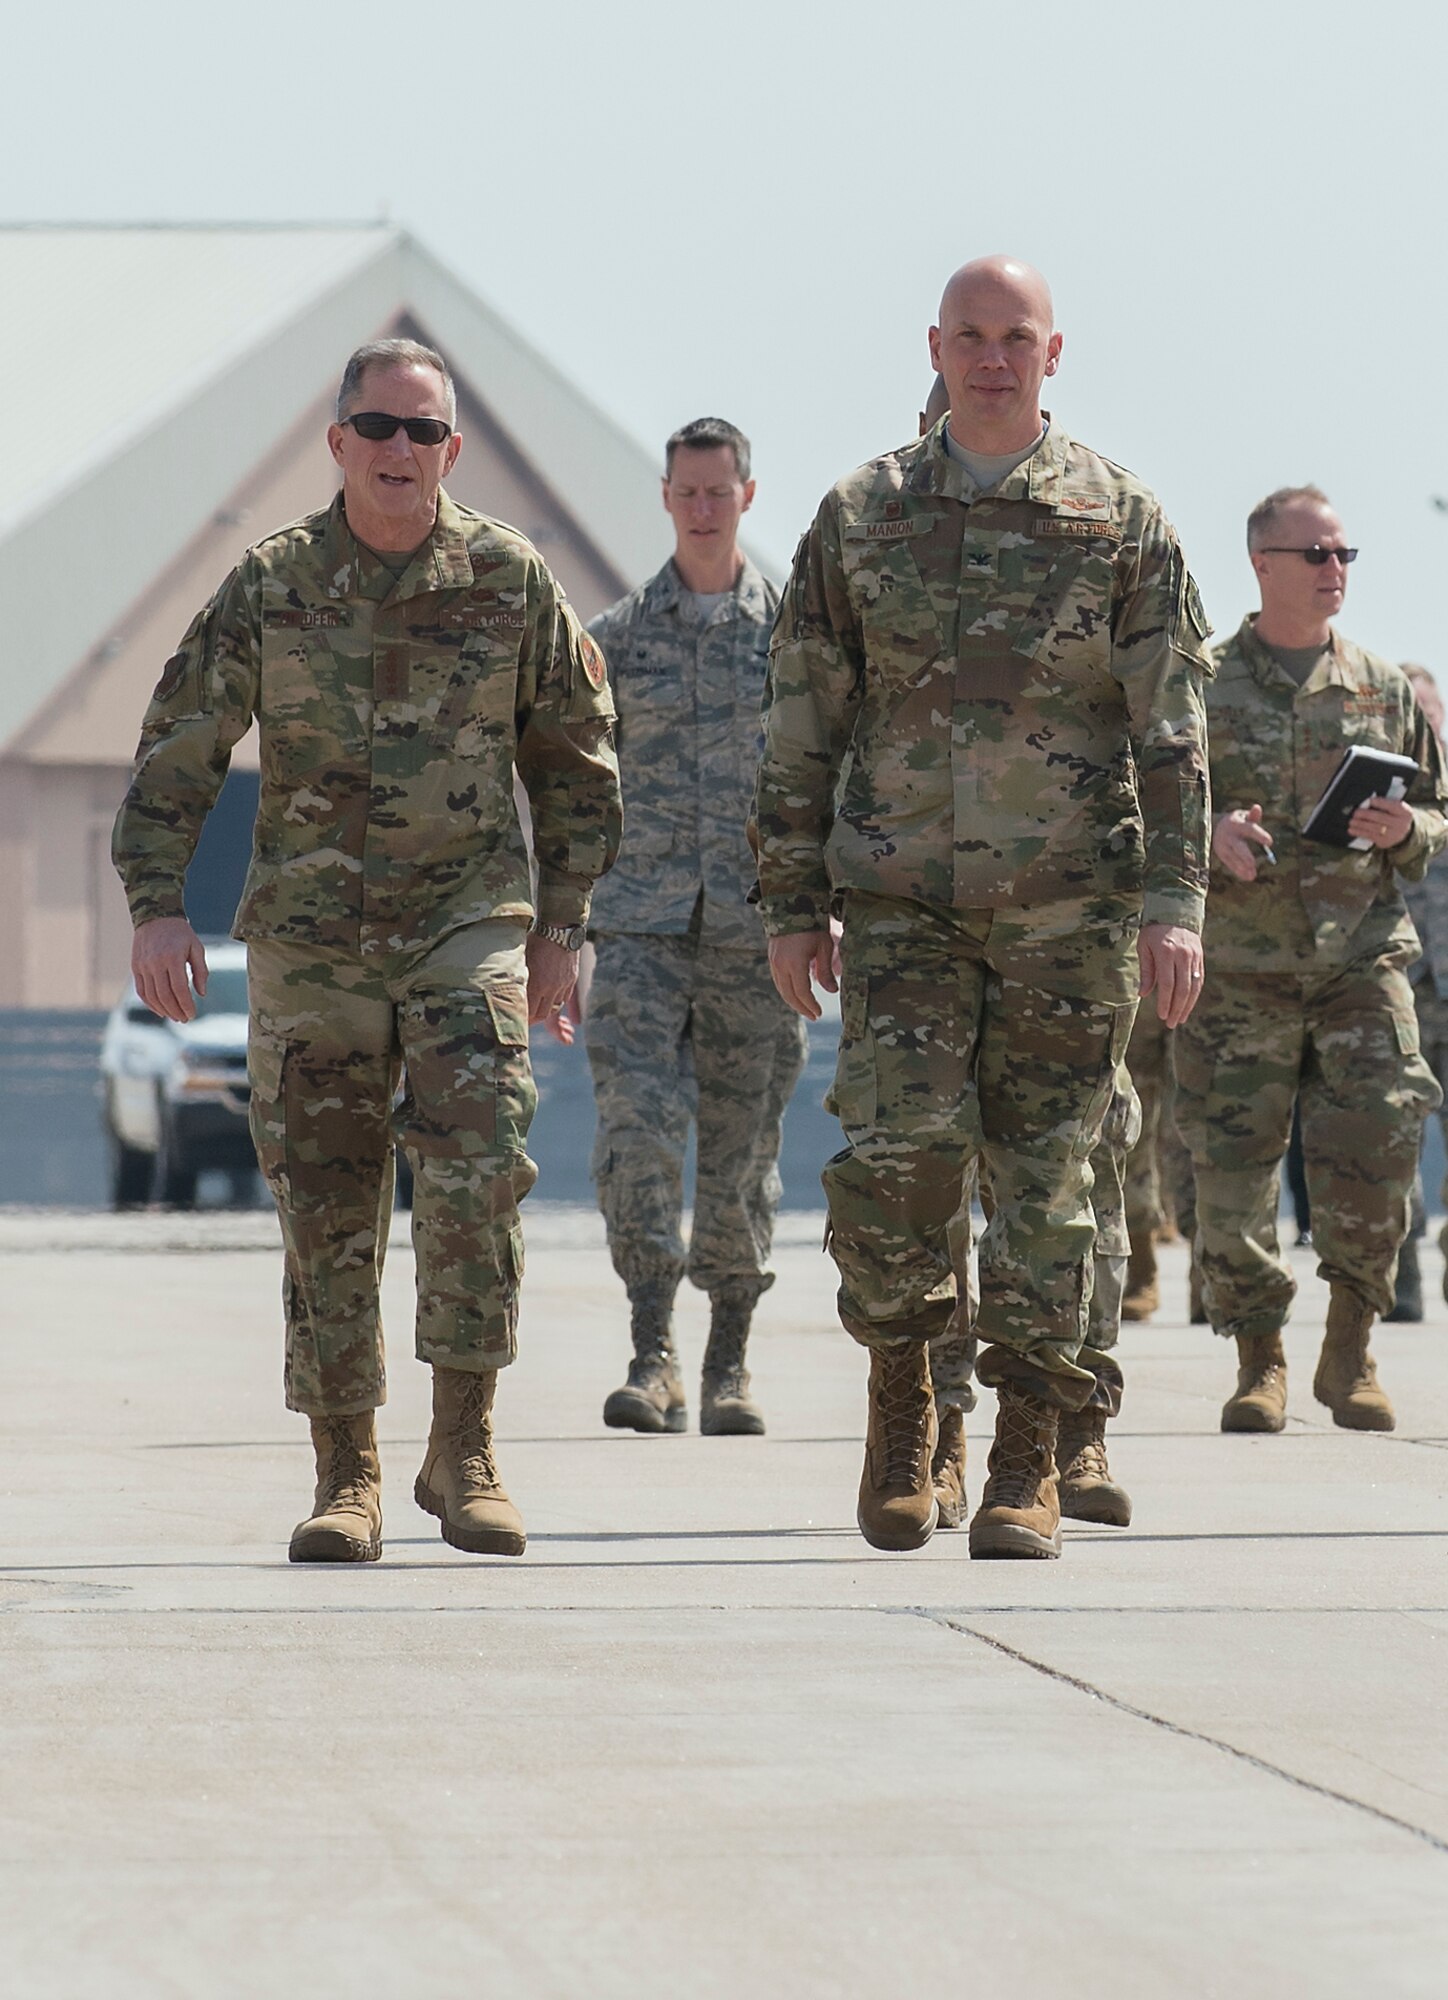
(393, 354)
(1259, 521)
(709, 434)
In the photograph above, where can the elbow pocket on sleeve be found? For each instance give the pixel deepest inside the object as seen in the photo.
(1191, 627)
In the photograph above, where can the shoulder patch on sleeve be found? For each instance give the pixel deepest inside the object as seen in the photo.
(593, 662)
(172, 675)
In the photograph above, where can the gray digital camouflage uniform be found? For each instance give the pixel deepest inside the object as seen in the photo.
(1306, 990)
(985, 742)
(387, 900)
(684, 1025)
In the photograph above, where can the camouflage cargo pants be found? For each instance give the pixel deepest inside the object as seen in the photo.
(952, 1353)
(682, 1031)
(1432, 1010)
(1346, 1043)
(1033, 1010)
(329, 1036)
(1159, 1168)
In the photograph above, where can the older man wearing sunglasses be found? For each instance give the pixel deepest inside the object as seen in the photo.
(1306, 993)
(400, 655)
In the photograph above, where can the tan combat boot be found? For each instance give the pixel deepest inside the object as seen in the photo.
(346, 1519)
(459, 1480)
(1143, 1292)
(652, 1399)
(897, 1508)
(1260, 1400)
(1019, 1512)
(1086, 1489)
(1347, 1377)
(947, 1468)
(726, 1408)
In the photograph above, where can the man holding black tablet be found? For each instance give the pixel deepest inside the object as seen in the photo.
(1306, 945)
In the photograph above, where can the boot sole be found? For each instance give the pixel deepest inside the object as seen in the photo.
(731, 1423)
(632, 1413)
(472, 1542)
(1252, 1420)
(1100, 1511)
(1009, 1541)
(328, 1545)
(902, 1545)
(1362, 1420)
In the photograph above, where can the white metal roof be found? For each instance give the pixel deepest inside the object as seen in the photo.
(110, 329)
(159, 363)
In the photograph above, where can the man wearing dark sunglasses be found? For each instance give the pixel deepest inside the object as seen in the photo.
(400, 654)
(1306, 995)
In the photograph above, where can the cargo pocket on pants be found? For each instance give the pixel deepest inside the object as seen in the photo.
(1099, 1109)
(854, 1095)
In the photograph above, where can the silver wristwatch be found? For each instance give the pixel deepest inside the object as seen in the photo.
(569, 936)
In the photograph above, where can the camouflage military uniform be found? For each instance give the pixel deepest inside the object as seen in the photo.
(1159, 1170)
(683, 1019)
(1306, 990)
(985, 740)
(387, 900)
(952, 1353)
(1427, 902)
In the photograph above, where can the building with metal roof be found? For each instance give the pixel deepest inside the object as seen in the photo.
(179, 382)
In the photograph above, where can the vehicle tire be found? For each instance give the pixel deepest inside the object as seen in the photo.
(175, 1176)
(131, 1175)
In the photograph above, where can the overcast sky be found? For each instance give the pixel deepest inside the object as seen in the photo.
(749, 210)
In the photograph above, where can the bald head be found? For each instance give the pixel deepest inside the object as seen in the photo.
(995, 345)
(994, 280)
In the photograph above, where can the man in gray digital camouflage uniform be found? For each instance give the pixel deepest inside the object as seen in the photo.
(684, 1024)
(1307, 994)
(985, 740)
(399, 654)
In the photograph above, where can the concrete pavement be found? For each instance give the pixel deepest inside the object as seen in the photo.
(700, 1740)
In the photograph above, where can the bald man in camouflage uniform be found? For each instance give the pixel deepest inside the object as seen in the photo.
(684, 1025)
(1307, 994)
(985, 741)
(1087, 1488)
(399, 654)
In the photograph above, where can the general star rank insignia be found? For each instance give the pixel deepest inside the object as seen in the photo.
(593, 663)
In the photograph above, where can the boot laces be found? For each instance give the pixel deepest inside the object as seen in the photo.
(1016, 1461)
(904, 1406)
(727, 1381)
(1083, 1452)
(349, 1480)
(651, 1367)
(475, 1436)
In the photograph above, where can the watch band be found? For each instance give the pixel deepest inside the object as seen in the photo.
(569, 937)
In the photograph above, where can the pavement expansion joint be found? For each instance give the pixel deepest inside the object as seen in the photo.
(1165, 1723)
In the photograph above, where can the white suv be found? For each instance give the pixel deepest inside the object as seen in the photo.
(176, 1094)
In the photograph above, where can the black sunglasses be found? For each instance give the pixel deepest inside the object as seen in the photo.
(376, 425)
(1316, 555)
